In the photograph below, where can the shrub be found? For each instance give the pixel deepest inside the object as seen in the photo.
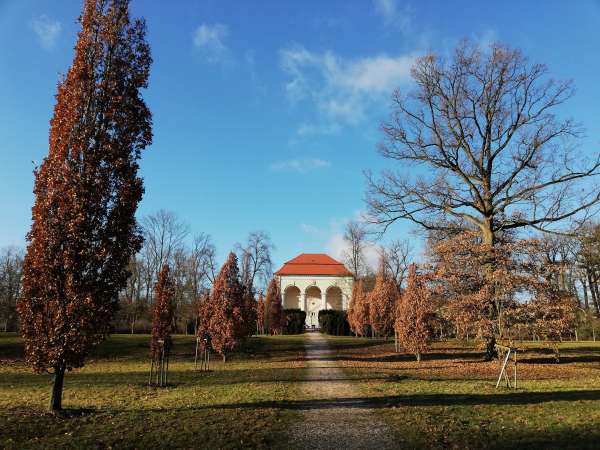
(295, 320)
(334, 322)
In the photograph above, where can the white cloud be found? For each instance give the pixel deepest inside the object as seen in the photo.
(310, 129)
(300, 165)
(338, 248)
(309, 229)
(393, 15)
(47, 31)
(210, 39)
(342, 90)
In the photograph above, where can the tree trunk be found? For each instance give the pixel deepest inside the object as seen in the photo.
(57, 388)
(224, 357)
(418, 355)
(490, 348)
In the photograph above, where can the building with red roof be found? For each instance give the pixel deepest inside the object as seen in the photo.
(312, 282)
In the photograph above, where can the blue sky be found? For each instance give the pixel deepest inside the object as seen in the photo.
(266, 113)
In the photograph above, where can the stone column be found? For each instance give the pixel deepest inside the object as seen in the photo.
(324, 299)
(302, 301)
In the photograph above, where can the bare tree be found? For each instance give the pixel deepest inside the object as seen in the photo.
(493, 153)
(11, 267)
(164, 233)
(355, 237)
(255, 259)
(396, 257)
(202, 264)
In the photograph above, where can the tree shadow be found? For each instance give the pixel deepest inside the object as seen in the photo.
(514, 398)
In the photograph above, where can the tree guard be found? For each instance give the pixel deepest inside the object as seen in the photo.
(504, 356)
(159, 367)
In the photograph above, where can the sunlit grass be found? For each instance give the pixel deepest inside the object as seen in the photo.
(127, 413)
(450, 401)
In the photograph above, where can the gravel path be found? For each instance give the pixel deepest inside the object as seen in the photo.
(335, 421)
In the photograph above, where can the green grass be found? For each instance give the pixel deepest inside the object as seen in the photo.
(125, 413)
(446, 401)
(450, 401)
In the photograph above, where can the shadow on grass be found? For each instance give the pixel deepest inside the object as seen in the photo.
(517, 398)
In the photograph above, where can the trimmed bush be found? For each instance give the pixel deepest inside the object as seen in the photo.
(334, 322)
(295, 320)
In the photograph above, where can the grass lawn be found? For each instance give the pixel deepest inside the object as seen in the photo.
(449, 400)
(128, 414)
(446, 401)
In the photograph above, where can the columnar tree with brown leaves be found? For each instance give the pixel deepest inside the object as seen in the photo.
(86, 193)
(260, 314)
(162, 315)
(226, 322)
(203, 320)
(358, 310)
(274, 311)
(382, 303)
(413, 314)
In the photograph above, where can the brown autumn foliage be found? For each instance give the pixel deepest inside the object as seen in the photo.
(226, 323)
(480, 281)
(413, 313)
(203, 320)
(358, 310)
(276, 317)
(250, 310)
(260, 314)
(84, 231)
(489, 289)
(162, 317)
(382, 303)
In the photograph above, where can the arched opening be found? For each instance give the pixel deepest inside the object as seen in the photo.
(334, 298)
(291, 298)
(313, 305)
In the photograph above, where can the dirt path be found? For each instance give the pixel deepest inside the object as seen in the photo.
(335, 420)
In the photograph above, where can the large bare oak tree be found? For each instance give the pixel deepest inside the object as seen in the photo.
(489, 152)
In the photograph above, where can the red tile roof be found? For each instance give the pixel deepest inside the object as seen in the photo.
(314, 264)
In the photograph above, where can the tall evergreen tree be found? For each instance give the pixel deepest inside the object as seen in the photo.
(87, 190)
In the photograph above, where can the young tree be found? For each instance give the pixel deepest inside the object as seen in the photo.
(162, 315)
(482, 126)
(86, 194)
(382, 303)
(226, 325)
(276, 317)
(260, 314)
(358, 310)
(413, 314)
(204, 318)
(249, 311)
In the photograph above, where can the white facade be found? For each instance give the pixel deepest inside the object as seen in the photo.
(312, 293)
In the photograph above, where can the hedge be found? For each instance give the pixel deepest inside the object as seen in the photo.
(295, 320)
(334, 322)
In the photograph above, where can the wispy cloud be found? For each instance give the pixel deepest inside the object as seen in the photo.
(309, 229)
(300, 165)
(395, 16)
(210, 40)
(342, 89)
(47, 31)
